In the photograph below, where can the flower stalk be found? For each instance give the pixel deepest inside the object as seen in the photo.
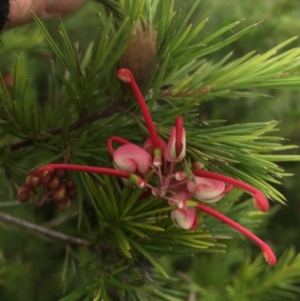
(49, 168)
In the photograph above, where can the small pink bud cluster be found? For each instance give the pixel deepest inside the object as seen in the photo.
(55, 186)
(162, 160)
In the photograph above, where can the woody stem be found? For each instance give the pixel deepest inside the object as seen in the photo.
(41, 230)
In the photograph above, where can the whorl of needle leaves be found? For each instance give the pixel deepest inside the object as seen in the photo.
(4, 10)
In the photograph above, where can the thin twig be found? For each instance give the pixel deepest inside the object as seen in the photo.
(10, 204)
(110, 110)
(49, 233)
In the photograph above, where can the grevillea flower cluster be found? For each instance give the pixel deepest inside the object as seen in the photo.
(160, 161)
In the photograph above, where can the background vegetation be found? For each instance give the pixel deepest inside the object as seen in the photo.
(32, 267)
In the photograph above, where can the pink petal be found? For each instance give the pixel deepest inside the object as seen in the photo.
(132, 158)
(206, 190)
(178, 196)
(260, 199)
(148, 146)
(170, 152)
(185, 218)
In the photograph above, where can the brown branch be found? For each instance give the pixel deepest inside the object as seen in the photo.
(49, 233)
(110, 110)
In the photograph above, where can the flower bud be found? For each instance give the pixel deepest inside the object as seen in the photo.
(176, 148)
(185, 218)
(64, 204)
(206, 190)
(198, 165)
(140, 56)
(54, 183)
(70, 183)
(23, 194)
(28, 178)
(59, 194)
(132, 158)
(60, 173)
(45, 179)
(72, 192)
(34, 181)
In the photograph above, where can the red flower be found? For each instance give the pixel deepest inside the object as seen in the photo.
(135, 163)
